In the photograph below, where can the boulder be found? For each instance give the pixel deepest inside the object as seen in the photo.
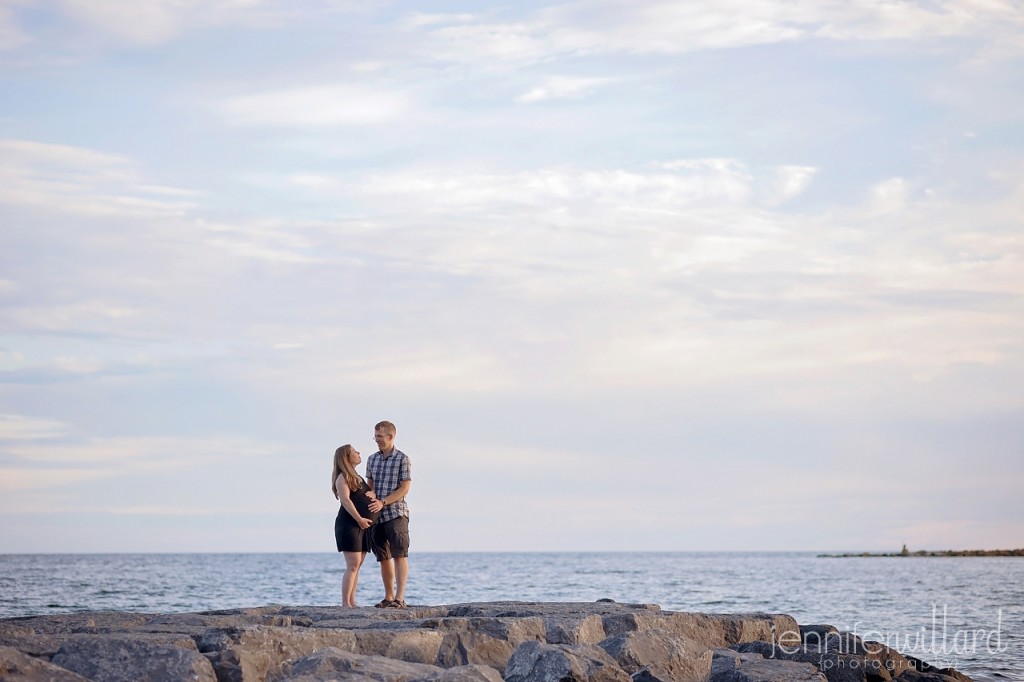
(619, 623)
(332, 663)
(18, 667)
(725, 660)
(814, 635)
(133, 659)
(540, 662)
(574, 629)
(465, 673)
(935, 675)
(250, 654)
(658, 655)
(767, 670)
(484, 641)
(411, 645)
(922, 668)
(88, 622)
(712, 631)
(40, 646)
(842, 657)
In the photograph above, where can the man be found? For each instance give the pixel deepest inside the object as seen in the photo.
(389, 473)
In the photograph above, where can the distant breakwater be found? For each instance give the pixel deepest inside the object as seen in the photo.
(931, 553)
(601, 641)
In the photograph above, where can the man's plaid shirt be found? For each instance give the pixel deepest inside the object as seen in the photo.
(386, 473)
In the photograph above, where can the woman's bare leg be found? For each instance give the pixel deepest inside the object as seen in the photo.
(349, 582)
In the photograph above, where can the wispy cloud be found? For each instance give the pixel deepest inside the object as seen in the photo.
(11, 34)
(562, 87)
(158, 21)
(684, 183)
(790, 182)
(339, 104)
(657, 26)
(16, 480)
(20, 427)
(65, 178)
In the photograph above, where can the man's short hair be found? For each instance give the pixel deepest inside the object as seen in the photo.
(387, 427)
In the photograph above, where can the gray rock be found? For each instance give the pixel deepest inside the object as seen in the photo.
(934, 675)
(874, 658)
(90, 622)
(12, 628)
(715, 631)
(335, 664)
(656, 673)
(539, 662)
(40, 646)
(840, 656)
(484, 641)
(657, 655)
(522, 609)
(814, 635)
(411, 645)
(250, 654)
(725, 660)
(574, 629)
(751, 627)
(768, 670)
(123, 659)
(921, 670)
(18, 667)
(465, 673)
(619, 623)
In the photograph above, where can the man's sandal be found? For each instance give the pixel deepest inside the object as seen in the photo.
(397, 604)
(384, 604)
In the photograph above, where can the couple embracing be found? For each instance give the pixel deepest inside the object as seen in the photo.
(374, 515)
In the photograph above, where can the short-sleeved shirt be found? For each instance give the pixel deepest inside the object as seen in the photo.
(387, 474)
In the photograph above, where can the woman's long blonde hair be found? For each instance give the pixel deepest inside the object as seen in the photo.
(342, 467)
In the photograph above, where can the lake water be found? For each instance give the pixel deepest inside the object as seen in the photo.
(964, 612)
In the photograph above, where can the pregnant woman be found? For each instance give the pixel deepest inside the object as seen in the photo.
(354, 517)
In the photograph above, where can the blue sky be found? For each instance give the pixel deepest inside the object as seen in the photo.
(626, 275)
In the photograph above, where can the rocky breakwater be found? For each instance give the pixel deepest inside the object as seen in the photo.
(482, 642)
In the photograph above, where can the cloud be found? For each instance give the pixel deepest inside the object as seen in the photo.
(158, 21)
(11, 34)
(79, 180)
(682, 183)
(122, 454)
(889, 195)
(790, 182)
(562, 87)
(270, 241)
(14, 481)
(705, 281)
(19, 427)
(665, 27)
(59, 463)
(877, 20)
(704, 272)
(321, 106)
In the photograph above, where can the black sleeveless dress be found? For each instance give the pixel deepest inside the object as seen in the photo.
(349, 536)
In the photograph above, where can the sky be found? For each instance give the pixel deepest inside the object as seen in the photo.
(627, 275)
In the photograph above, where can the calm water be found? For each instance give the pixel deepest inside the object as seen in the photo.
(965, 612)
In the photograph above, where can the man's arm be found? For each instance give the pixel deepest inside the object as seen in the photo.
(398, 493)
